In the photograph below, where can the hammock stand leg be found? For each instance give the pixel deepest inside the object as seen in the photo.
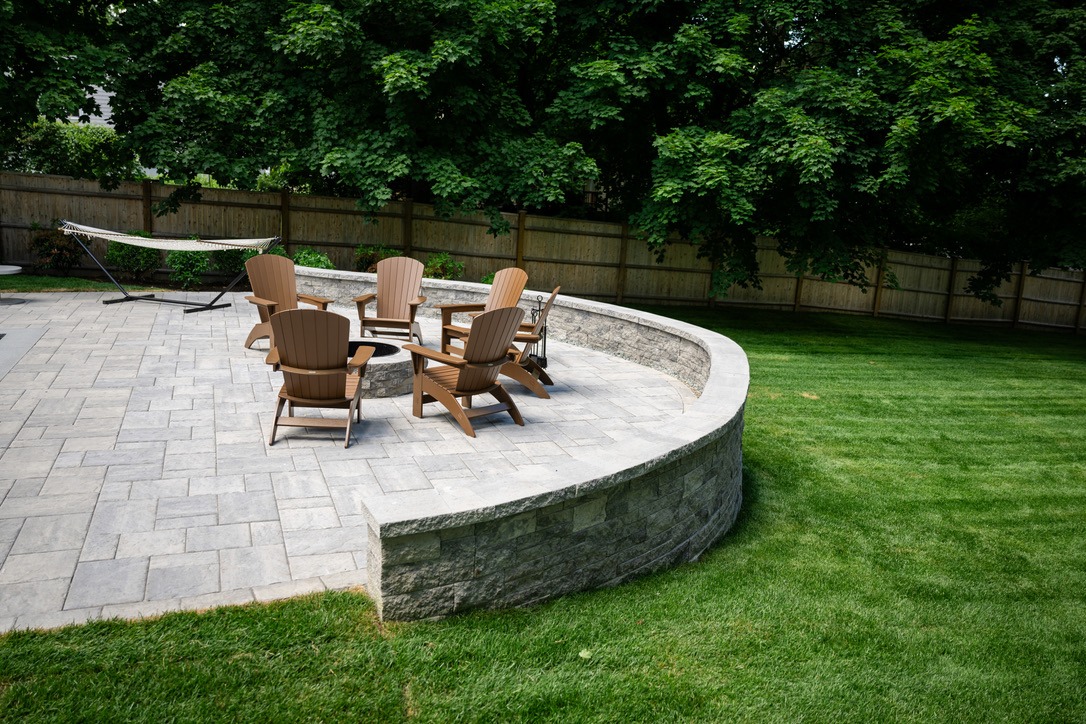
(212, 304)
(127, 297)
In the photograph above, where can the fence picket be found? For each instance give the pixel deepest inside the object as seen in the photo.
(593, 259)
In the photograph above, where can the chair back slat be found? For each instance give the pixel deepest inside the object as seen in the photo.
(315, 340)
(491, 335)
(506, 289)
(272, 278)
(399, 280)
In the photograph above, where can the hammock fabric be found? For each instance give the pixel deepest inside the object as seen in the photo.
(89, 232)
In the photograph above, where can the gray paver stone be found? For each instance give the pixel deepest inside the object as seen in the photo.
(99, 583)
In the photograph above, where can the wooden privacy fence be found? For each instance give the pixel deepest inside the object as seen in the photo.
(591, 259)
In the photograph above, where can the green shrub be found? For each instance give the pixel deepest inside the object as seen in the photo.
(56, 251)
(77, 150)
(488, 278)
(138, 263)
(230, 261)
(187, 268)
(312, 258)
(443, 266)
(366, 257)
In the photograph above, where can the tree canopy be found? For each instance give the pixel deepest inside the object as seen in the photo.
(839, 127)
(51, 56)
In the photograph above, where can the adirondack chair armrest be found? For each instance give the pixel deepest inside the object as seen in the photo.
(319, 302)
(456, 331)
(433, 354)
(273, 359)
(266, 303)
(461, 307)
(361, 357)
(447, 310)
(413, 307)
(361, 301)
(525, 337)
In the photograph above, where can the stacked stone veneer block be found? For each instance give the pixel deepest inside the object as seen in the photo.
(647, 504)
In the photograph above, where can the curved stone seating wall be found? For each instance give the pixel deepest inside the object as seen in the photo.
(651, 503)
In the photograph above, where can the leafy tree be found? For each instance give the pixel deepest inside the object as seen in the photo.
(366, 99)
(52, 55)
(840, 127)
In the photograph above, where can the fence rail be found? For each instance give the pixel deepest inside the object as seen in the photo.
(591, 259)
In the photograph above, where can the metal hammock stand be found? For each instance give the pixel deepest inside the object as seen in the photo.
(89, 232)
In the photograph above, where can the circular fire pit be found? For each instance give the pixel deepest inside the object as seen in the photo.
(380, 349)
(388, 373)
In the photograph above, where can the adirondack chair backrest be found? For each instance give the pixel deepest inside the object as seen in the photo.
(311, 339)
(272, 278)
(399, 280)
(487, 346)
(506, 289)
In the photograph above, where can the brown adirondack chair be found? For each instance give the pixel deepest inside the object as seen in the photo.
(523, 368)
(312, 352)
(505, 291)
(274, 290)
(476, 373)
(399, 287)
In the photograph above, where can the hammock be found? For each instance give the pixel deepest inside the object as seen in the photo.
(89, 232)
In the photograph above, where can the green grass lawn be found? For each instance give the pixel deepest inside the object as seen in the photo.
(41, 283)
(912, 546)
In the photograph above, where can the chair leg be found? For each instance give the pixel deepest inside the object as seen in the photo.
(514, 371)
(538, 372)
(259, 331)
(351, 411)
(415, 331)
(503, 397)
(275, 422)
(453, 406)
(416, 397)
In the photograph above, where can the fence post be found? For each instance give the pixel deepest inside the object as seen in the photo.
(1022, 268)
(798, 302)
(950, 288)
(407, 231)
(624, 244)
(878, 289)
(522, 231)
(148, 216)
(284, 219)
(1080, 321)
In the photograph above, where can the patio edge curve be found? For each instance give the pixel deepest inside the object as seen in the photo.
(647, 504)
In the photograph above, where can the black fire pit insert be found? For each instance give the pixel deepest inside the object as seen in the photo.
(380, 349)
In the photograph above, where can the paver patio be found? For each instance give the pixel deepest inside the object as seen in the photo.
(135, 477)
